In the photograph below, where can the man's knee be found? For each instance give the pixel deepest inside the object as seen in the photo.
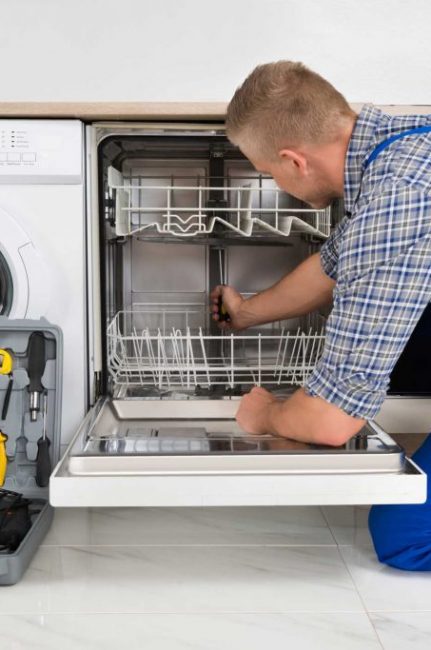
(400, 540)
(401, 534)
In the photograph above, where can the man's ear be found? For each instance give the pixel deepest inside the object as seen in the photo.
(294, 158)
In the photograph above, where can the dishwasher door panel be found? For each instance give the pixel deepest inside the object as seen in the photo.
(140, 453)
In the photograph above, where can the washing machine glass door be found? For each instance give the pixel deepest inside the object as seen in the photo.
(6, 287)
(24, 291)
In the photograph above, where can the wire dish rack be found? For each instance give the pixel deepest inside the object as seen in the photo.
(170, 357)
(186, 207)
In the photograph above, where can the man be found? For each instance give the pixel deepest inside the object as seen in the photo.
(375, 267)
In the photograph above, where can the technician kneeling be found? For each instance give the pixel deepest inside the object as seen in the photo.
(375, 266)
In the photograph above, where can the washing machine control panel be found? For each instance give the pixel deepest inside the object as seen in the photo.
(41, 151)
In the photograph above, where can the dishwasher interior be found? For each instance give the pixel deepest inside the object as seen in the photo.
(183, 215)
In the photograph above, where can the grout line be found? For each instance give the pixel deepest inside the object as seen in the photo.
(376, 632)
(232, 612)
(211, 612)
(328, 525)
(367, 613)
(399, 611)
(187, 545)
(358, 545)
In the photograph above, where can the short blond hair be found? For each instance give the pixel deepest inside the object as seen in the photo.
(285, 104)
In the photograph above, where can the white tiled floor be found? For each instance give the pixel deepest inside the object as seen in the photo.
(222, 578)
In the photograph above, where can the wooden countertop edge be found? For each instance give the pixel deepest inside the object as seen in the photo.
(114, 110)
(90, 111)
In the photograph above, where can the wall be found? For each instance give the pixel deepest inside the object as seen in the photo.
(85, 50)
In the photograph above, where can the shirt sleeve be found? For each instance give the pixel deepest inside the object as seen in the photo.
(329, 250)
(383, 286)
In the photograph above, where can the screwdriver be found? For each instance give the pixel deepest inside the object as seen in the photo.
(223, 315)
(43, 460)
(36, 367)
(6, 366)
(3, 457)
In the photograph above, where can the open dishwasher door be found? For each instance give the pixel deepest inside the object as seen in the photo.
(136, 453)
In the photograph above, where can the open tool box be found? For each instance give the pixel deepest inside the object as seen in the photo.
(30, 404)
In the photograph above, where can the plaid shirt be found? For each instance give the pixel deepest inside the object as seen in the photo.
(380, 257)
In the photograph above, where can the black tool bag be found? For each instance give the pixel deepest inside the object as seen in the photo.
(15, 520)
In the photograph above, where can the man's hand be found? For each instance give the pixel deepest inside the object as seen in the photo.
(301, 291)
(232, 302)
(252, 415)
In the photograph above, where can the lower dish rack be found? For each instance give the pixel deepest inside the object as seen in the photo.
(188, 357)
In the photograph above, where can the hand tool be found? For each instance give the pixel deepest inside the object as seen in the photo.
(15, 520)
(3, 456)
(223, 315)
(43, 460)
(6, 367)
(35, 369)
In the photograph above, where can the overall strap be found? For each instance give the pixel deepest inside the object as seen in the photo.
(386, 143)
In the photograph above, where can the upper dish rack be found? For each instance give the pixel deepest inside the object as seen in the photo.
(183, 207)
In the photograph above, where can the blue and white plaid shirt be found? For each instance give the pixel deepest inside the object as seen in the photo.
(380, 257)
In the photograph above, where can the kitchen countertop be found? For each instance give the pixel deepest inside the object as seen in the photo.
(90, 111)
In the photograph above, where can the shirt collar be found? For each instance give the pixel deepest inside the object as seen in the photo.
(362, 141)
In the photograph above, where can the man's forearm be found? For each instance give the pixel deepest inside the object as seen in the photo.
(300, 292)
(312, 420)
(301, 417)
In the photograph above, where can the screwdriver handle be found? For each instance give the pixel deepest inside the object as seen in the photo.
(36, 361)
(223, 315)
(3, 457)
(35, 368)
(43, 462)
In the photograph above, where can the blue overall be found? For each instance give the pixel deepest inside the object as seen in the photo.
(402, 533)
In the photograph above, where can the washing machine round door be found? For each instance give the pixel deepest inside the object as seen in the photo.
(24, 290)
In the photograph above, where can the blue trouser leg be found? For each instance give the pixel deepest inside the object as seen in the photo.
(402, 533)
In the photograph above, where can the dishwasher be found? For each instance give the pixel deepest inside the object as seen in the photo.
(174, 209)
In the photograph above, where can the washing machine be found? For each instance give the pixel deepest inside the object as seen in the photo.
(42, 240)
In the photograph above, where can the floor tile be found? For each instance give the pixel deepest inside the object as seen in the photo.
(349, 524)
(195, 579)
(275, 525)
(403, 630)
(31, 594)
(182, 632)
(383, 588)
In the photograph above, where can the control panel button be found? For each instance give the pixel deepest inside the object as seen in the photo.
(14, 157)
(29, 157)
